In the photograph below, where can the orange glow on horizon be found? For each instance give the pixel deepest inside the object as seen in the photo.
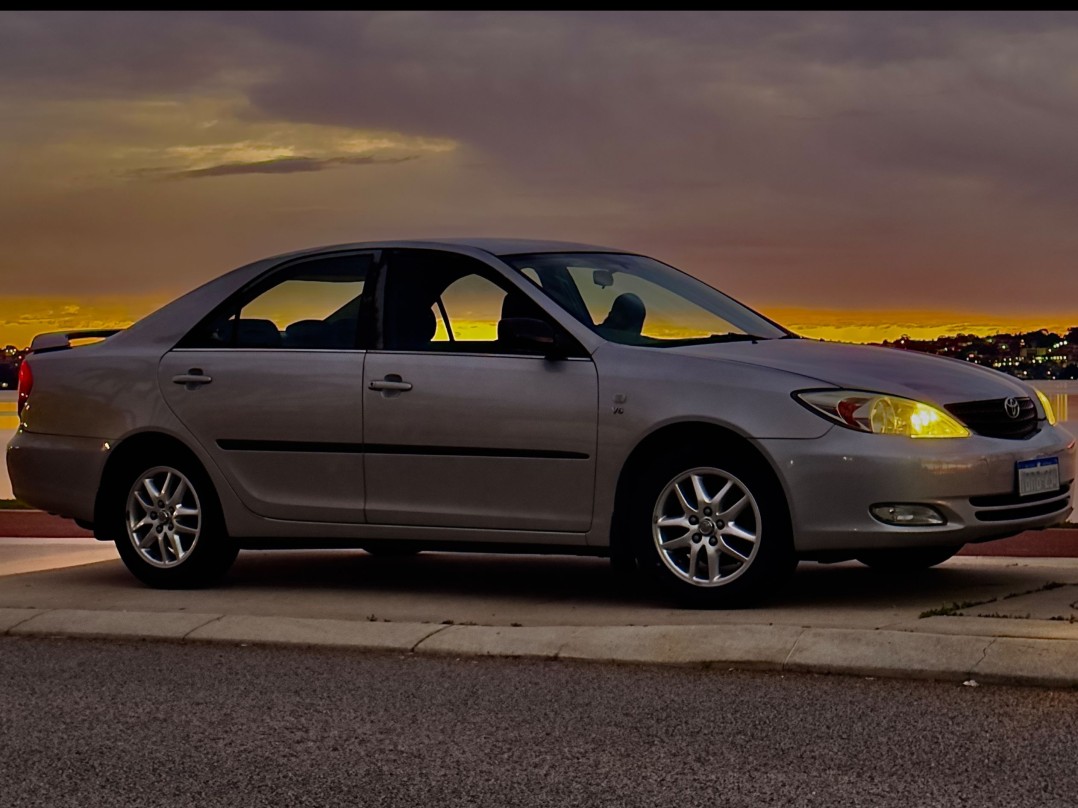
(24, 317)
(877, 325)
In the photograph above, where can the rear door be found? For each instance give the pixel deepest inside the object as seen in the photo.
(271, 386)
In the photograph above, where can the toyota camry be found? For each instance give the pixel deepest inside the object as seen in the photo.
(525, 396)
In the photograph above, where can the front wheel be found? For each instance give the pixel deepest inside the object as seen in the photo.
(716, 532)
(168, 526)
(906, 559)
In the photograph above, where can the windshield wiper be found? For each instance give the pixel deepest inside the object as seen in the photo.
(734, 338)
(717, 338)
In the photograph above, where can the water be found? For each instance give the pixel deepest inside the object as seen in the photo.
(9, 422)
(1064, 398)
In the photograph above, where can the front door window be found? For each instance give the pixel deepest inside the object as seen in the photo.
(444, 302)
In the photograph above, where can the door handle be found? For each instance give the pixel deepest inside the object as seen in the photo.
(192, 378)
(392, 385)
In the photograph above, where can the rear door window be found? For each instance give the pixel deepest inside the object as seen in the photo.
(317, 305)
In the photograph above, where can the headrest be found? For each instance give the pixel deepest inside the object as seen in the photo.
(626, 314)
(307, 334)
(252, 333)
(516, 305)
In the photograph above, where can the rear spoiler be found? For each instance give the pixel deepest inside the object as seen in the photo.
(61, 340)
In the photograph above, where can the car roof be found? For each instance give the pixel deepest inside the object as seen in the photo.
(518, 246)
(494, 246)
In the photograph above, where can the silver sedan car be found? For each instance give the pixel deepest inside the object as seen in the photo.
(526, 396)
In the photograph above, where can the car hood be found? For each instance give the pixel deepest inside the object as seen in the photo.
(861, 367)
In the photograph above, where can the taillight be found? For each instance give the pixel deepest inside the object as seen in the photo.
(26, 384)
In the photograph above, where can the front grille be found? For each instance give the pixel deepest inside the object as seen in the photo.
(1004, 500)
(1025, 512)
(990, 418)
(1008, 507)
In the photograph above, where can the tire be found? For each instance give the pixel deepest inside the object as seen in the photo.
(907, 559)
(147, 535)
(727, 569)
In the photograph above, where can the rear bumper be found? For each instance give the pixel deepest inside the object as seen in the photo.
(57, 473)
(831, 482)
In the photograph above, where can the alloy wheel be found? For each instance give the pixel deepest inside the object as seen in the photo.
(706, 527)
(164, 517)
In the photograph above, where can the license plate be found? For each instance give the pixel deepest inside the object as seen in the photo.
(1038, 476)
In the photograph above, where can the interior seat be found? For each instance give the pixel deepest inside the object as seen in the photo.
(251, 333)
(414, 327)
(307, 334)
(514, 306)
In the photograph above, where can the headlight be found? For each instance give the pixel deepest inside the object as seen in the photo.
(882, 414)
(1046, 405)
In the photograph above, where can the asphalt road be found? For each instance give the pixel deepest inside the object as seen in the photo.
(104, 724)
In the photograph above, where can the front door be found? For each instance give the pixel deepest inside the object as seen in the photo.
(271, 386)
(459, 429)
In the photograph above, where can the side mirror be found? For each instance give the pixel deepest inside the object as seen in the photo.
(533, 336)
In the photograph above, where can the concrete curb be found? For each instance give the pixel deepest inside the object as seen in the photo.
(370, 636)
(119, 625)
(947, 656)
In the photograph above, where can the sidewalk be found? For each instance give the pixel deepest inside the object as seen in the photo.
(38, 524)
(993, 620)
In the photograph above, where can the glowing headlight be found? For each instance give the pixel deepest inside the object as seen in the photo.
(1046, 405)
(882, 414)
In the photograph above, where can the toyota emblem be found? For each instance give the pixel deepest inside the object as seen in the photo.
(1012, 407)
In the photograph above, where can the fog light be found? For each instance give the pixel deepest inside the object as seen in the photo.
(908, 515)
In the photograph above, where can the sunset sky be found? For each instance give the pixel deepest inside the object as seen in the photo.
(856, 176)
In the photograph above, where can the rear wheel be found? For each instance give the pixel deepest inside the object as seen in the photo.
(906, 559)
(168, 526)
(714, 530)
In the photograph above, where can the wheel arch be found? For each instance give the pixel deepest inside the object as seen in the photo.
(134, 446)
(680, 434)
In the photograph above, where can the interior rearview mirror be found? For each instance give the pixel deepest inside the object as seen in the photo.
(602, 278)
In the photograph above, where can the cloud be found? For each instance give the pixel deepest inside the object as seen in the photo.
(280, 165)
(806, 159)
(207, 136)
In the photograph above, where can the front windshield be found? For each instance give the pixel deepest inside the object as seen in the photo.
(635, 300)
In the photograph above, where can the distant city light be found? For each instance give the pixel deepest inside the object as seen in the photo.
(1031, 355)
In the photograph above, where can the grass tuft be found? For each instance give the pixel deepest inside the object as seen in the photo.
(947, 610)
(1046, 588)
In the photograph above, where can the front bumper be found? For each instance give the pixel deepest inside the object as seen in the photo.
(832, 481)
(57, 473)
